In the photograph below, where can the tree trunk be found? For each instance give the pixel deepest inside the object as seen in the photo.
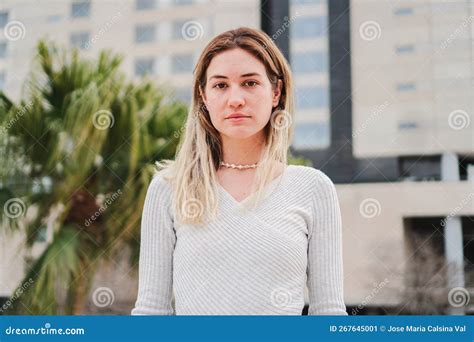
(79, 289)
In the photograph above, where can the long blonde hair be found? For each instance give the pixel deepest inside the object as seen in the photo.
(193, 173)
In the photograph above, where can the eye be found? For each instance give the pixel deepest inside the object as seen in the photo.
(220, 86)
(251, 84)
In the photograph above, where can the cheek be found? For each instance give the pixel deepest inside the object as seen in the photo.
(262, 104)
(214, 107)
(216, 113)
(214, 101)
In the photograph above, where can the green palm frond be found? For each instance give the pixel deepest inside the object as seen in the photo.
(56, 140)
(57, 265)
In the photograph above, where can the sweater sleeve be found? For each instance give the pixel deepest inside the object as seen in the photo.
(155, 284)
(325, 273)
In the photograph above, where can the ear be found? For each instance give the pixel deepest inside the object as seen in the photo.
(277, 93)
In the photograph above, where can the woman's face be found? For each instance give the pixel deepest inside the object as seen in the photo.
(237, 83)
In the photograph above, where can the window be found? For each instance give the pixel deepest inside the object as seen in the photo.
(310, 65)
(80, 8)
(403, 11)
(311, 135)
(406, 86)
(80, 39)
(182, 63)
(182, 2)
(407, 48)
(144, 66)
(313, 61)
(2, 79)
(306, 2)
(308, 27)
(42, 235)
(145, 4)
(3, 50)
(178, 28)
(145, 33)
(311, 97)
(56, 18)
(3, 18)
(405, 125)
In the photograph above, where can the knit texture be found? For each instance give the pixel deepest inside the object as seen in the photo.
(246, 262)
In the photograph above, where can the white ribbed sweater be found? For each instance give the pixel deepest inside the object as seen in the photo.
(246, 262)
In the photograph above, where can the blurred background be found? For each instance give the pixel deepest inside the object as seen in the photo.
(93, 92)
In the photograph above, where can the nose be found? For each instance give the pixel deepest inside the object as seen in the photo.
(236, 98)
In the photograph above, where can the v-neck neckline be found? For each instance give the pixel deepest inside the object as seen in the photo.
(267, 187)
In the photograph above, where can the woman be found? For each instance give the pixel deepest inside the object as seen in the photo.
(228, 228)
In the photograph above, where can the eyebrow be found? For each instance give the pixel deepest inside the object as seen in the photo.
(244, 75)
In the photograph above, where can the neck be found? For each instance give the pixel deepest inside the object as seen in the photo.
(242, 151)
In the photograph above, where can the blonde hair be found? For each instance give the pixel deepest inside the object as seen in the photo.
(193, 173)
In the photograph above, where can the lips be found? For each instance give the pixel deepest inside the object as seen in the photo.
(237, 115)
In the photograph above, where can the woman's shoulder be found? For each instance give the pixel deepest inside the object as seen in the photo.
(318, 187)
(312, 177)
(160, 184)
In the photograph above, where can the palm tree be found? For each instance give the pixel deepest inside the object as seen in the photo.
(80, 134)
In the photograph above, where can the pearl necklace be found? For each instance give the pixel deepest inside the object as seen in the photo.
(239, 166)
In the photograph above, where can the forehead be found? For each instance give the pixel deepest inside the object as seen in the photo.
(235, 62)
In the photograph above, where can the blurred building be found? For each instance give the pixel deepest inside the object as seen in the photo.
(158, 38)
(402, 151)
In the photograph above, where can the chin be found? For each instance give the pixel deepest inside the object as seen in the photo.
(239, 134)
